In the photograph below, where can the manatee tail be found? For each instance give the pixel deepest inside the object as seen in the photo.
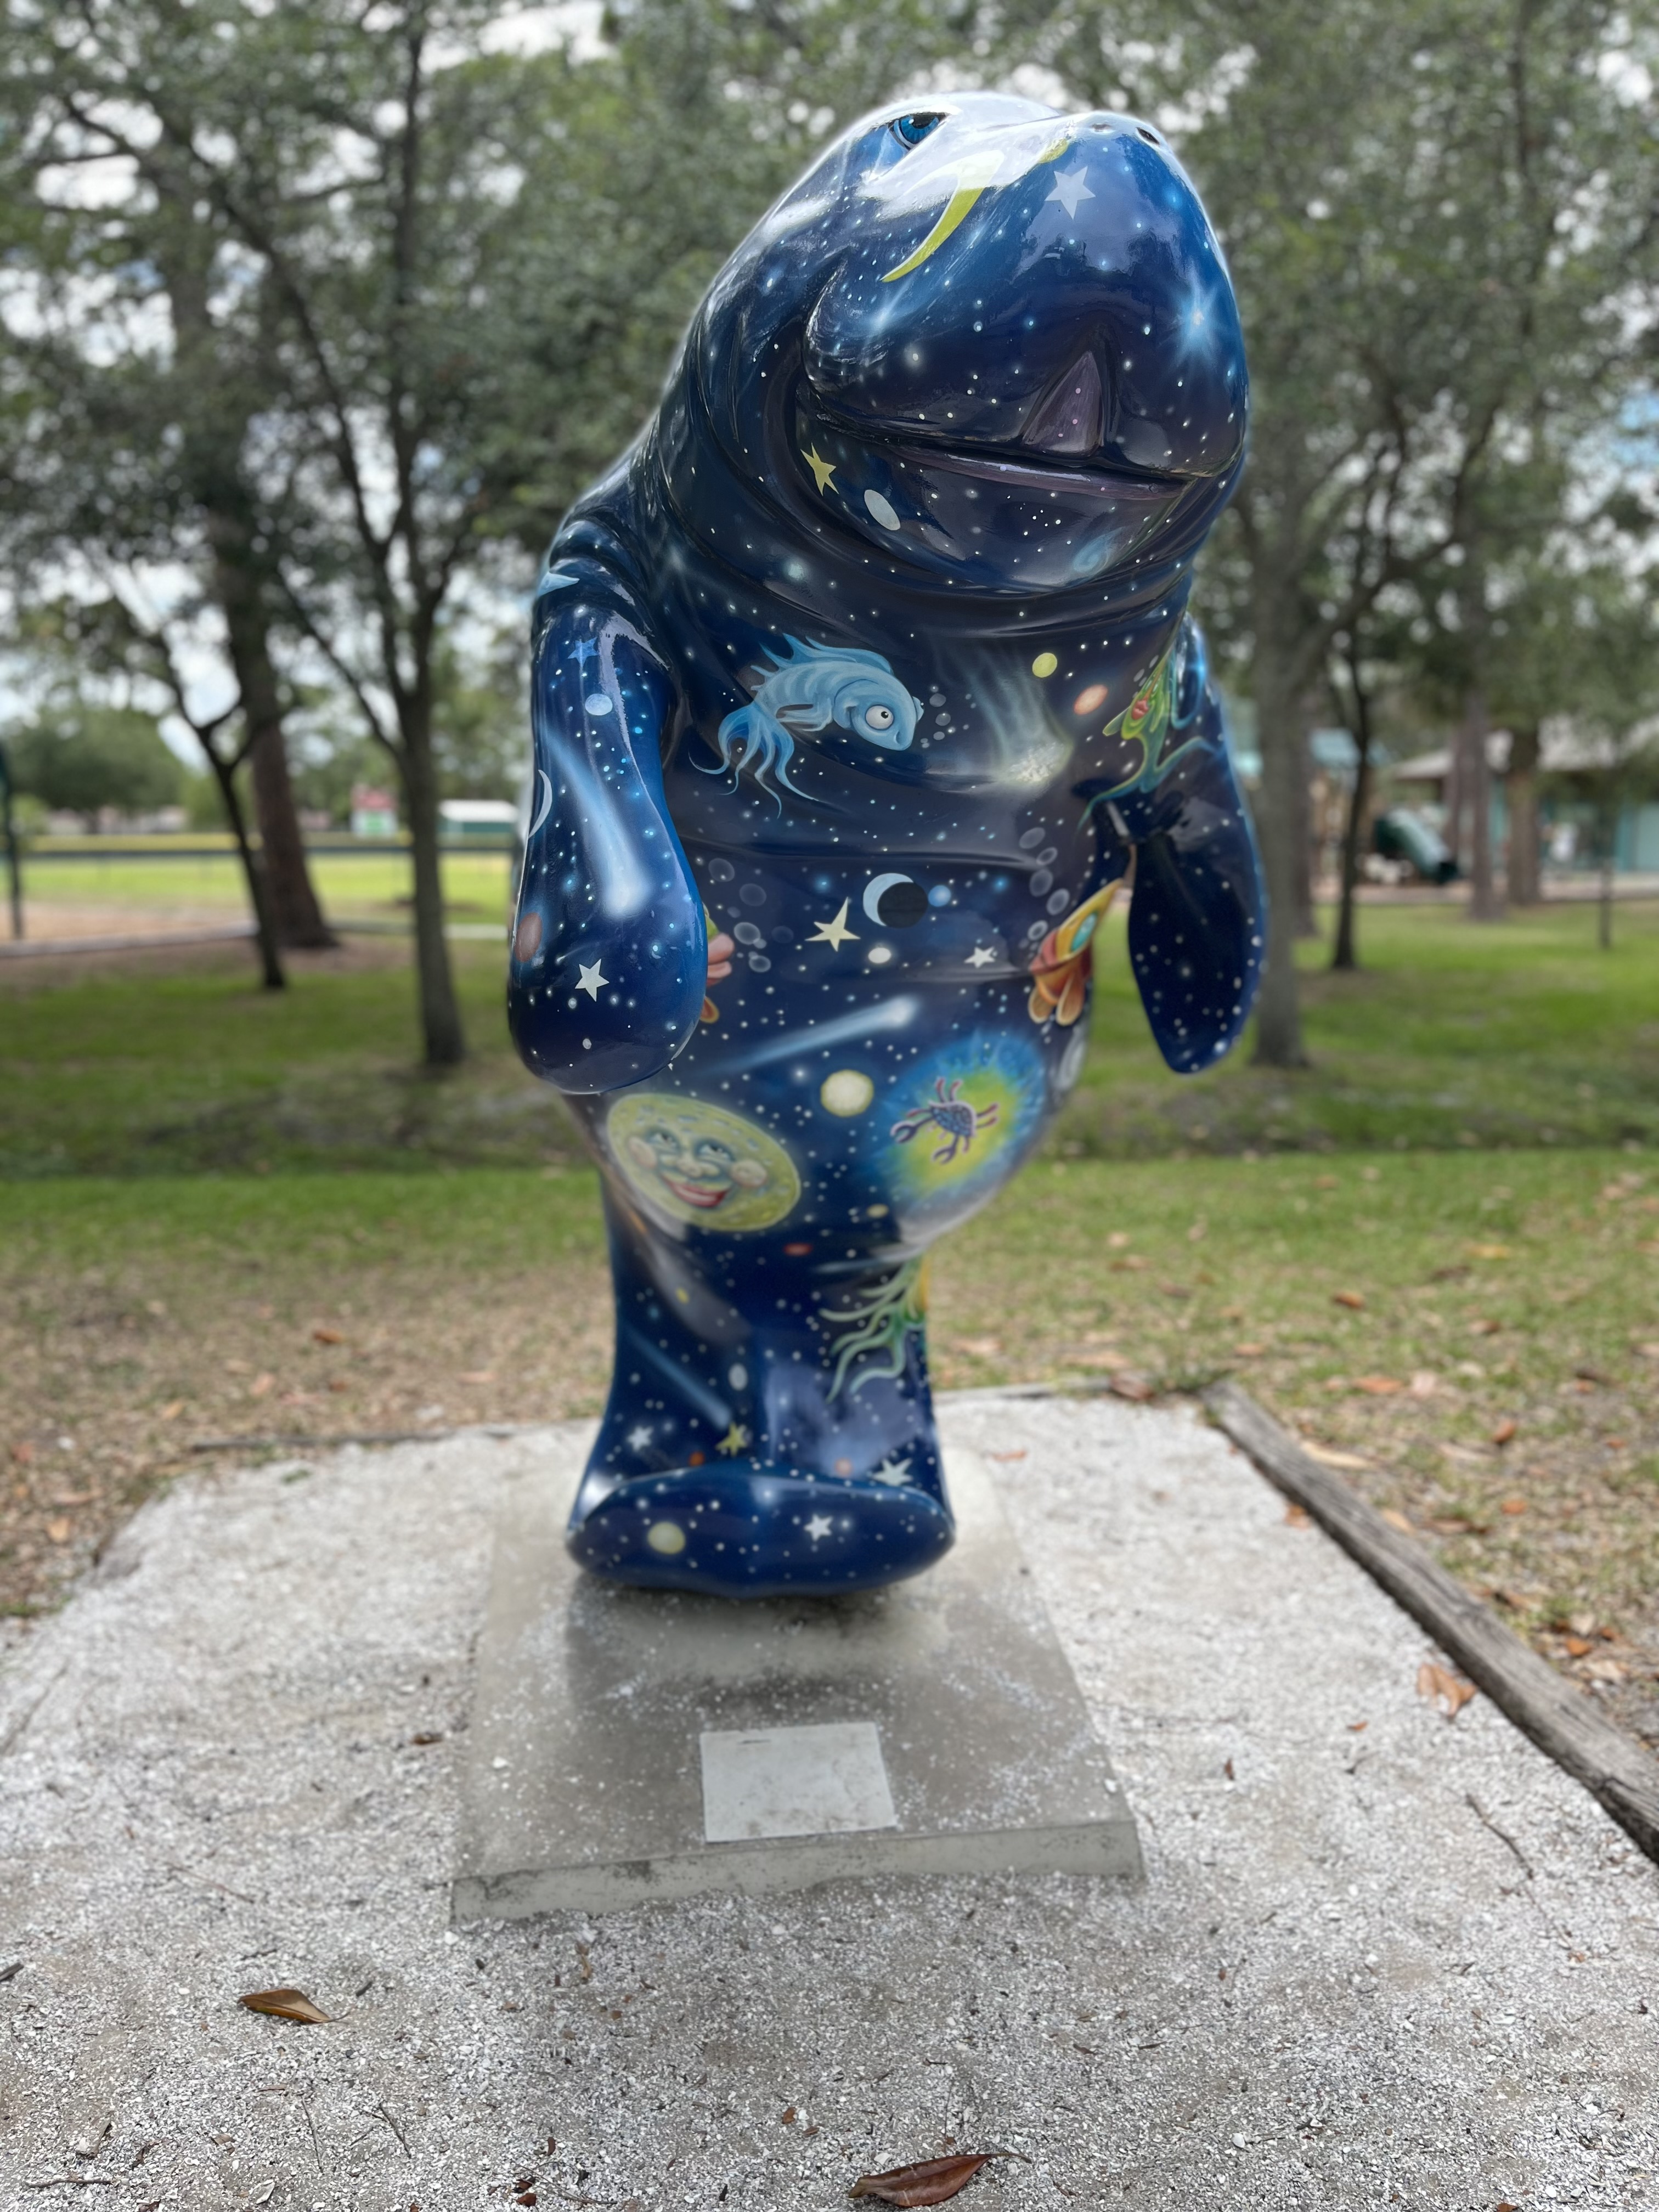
(750, 738)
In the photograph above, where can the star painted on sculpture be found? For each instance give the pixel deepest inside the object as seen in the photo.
(1071, 187)
(833, 932)
(584, 650)
(824, 471)
(638, 1437)
(893, 1469)
(735, 1440)
(819, 1526)
(981, 956)
(591, 979)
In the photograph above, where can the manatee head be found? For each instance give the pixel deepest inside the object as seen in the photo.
(997, 342)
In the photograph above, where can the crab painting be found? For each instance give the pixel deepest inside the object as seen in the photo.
(950, 1113)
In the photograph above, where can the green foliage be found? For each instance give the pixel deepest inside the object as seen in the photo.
(82, 758)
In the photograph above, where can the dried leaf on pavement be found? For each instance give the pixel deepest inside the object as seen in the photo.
(1448, 1691)
(932, 2182)
(285, 2004)
(1124, 1384)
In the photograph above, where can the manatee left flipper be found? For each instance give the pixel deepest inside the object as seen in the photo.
(1198, 917)
(609, 950)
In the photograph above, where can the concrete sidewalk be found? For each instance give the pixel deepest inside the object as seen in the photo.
(1402, 1963)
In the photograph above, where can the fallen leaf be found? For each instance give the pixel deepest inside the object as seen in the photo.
(285, 2004)
(932, 2182)
(788, 2117)
(1485, 1326)
(1513, 1506)
(22, 1454)
(1249, 1351)
(1354, 1300)
(1448, 1691)
(1491, 1251)
(1397, 1520)
(1358, 1728)
(1118, 1238)
(1124, 1385)
(428, 1735)
(261, 1385)
(327, 1336)
(1592, 1375)
(1378, 1386)
(172, 1409)
(58, 1531)
(479, 1375)
(1505, 1432)
(1130, 1265)
(1577, 1646)
(979, 1347)
(1423, 1383)
(1349, 1462)
(1298, 1516)
(1020, 1454)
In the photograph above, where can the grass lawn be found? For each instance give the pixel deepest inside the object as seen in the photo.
(228, 1213)
(353, 886)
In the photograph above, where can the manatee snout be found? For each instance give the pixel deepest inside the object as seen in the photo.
(1074, 310)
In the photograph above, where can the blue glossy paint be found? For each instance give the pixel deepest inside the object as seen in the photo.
(859, 683)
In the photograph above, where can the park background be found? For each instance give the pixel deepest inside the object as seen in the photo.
(317, 317)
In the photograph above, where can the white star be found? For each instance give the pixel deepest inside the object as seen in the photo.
(591, 980)
(819, 1525)
(833, 932)
(981, 956)
(638, 1437)
(1071, 187)
(893, 1470)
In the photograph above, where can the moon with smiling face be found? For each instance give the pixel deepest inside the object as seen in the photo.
(894, 901)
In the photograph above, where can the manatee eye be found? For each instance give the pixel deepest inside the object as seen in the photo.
(911, 130)
(878, 718)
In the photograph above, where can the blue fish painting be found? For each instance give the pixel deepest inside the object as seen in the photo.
(808, 689)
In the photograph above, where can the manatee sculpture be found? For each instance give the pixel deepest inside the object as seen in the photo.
(860, 685)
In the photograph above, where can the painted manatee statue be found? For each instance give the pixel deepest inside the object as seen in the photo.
(861, 684)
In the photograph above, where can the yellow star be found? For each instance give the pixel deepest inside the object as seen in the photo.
(735, 1440)
(833, 932)
(823, 470)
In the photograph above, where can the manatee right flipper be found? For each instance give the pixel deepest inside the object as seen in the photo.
(610, 950)
(1198, 917)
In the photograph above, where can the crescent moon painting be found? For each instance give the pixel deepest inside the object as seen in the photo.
(896, 902)
(546, 806)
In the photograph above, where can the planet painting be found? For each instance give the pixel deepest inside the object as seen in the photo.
(697, 1162)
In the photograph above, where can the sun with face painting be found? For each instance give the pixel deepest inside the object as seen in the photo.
(697, 1162)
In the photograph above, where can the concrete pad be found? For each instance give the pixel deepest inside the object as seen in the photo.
(1408, 1964)
(933, 1728)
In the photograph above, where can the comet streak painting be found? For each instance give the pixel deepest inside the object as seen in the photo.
(860, 685)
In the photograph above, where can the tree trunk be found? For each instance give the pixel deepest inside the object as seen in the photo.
(442, 1033)
(1484, 905)
(296, 914)
(1345, 954)
(1525, 883)
(13, 860)
(270, 958)
(1307, 845)
(1278, 824)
